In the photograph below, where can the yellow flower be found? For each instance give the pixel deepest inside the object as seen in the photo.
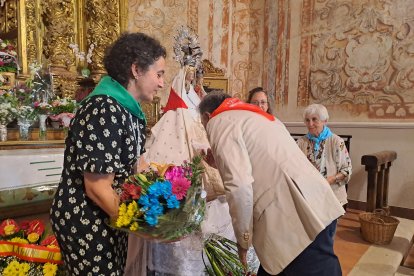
(15, 268)
(24, 268)
(122, 209)
(52, 246)
(161, 168)
(9, 229)
(121, 214)
(49, 269)
(19, 240)
(33, 237)
(134, 226)
(132, 209)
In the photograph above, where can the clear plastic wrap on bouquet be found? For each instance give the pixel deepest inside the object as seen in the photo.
(165, 203)
(220, 257)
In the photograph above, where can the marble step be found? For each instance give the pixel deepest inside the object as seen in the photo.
(383, 260)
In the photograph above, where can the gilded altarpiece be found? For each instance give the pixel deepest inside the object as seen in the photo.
(358, 55)
(46, 28)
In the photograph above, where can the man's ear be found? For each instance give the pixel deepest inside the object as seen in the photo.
(205, 117)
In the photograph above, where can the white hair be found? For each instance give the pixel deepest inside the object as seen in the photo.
(318, 110)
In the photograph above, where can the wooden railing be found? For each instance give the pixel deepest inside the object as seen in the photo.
(378, 167)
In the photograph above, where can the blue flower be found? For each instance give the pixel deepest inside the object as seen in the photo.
(153, 200)
(166, 189)
(144, 201)
(155, 189)
(155, 210)
(172, 202)
(151, 220)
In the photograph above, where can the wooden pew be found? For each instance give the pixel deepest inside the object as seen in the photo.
(378, 167)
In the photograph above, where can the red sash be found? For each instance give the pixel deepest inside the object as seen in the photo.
(236, 104)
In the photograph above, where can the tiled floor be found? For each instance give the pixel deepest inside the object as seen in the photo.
(349, 245)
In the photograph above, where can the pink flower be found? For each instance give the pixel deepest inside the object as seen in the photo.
(173, 173)
(180, 186)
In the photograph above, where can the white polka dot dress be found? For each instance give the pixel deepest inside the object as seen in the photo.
(103, 138)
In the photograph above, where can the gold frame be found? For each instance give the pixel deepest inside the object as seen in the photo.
(152, 111)
(215, 83)
(214, 77)
(47, 27)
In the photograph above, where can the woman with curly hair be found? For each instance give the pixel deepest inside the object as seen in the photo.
(105, 139)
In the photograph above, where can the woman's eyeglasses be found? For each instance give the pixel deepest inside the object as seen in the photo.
(259, 102)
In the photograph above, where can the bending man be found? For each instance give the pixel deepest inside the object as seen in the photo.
(278, 201)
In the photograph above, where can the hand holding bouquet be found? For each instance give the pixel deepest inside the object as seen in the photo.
(165, 203)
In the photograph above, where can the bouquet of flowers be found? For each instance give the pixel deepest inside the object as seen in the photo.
(63, 105)
(223, 258)
(8, 57)
(63, 110)
(42, 107)
(26, 250)
(8, 109)
(165, 203)
(23, 94)
(26, 112)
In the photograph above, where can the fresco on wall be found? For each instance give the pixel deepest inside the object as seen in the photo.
(359, 54)
(159, 19)
(239, 37)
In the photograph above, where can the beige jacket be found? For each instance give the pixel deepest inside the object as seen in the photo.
(278, 200)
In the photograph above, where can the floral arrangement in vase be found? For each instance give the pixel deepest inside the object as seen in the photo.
(83, 59)
(8, 57)
(8, 104)
(63, 110)
(25, 249)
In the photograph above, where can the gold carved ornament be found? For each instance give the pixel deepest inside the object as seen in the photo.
(45, 29)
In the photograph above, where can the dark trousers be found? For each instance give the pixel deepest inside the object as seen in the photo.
(317, 259)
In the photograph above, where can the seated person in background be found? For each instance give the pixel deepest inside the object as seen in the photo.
(259, 97)
(326, 150)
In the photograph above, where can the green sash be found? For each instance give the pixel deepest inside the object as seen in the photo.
(110, 87)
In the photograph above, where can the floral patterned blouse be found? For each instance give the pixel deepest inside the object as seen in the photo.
(332, 158)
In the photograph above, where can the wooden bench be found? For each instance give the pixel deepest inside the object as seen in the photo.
(378, 167)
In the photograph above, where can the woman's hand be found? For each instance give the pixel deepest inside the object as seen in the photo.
(331, 179)
(335, 178)
(141, 165)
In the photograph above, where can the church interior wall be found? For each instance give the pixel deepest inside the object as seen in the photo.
(305, 51)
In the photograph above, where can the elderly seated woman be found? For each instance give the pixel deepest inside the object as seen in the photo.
(326, 150)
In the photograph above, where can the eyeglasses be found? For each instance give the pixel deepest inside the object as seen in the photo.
(259, 102)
